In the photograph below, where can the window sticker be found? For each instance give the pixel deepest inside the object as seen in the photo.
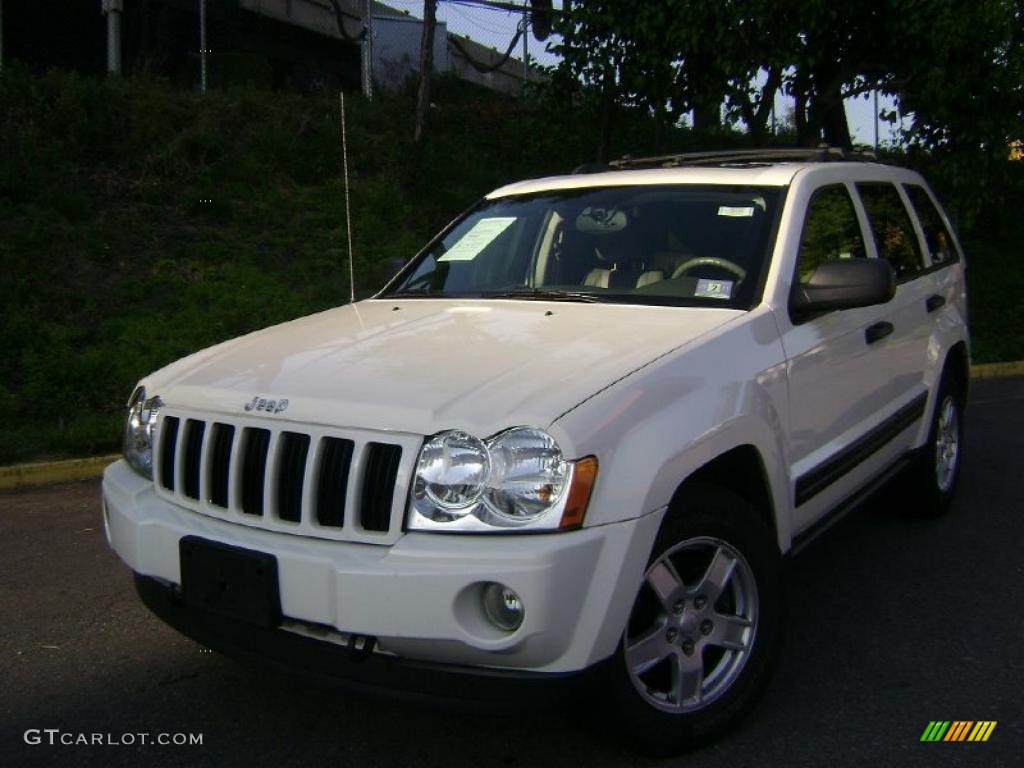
(480, 235)
(713, 289)
(736, 211)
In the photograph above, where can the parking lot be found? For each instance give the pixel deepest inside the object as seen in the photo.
(894, 622)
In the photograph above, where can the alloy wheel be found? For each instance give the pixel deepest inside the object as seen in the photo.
(693, 625)
(947, 444)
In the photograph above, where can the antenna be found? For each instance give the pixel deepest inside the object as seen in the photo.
(348, 211)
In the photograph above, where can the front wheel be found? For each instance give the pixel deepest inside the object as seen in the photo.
(703, 627)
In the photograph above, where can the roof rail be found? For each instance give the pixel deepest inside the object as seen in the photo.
(820, 154)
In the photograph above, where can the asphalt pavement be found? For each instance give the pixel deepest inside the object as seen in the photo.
(894, 622)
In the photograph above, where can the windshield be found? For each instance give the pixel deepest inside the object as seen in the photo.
(668, 244)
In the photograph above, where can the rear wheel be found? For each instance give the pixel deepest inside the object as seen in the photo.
(704, 625)
(935, 472)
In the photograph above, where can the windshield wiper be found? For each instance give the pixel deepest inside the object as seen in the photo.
(544, 294)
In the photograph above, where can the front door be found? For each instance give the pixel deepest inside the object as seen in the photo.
(840, 367)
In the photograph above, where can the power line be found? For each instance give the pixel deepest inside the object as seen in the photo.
(475, 23)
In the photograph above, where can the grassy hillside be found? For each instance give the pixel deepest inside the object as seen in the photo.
(139, 223)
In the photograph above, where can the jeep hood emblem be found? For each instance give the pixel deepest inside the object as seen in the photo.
(267, 406)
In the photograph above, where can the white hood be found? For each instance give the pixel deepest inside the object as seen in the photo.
(423, 365)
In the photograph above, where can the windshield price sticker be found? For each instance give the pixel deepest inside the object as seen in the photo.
(482, 234)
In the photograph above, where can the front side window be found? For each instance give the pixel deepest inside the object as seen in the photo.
(689, 245)
(894, 233)
(937, 237)
(831, 231)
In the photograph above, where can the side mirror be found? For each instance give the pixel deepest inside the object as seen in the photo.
(844, 284)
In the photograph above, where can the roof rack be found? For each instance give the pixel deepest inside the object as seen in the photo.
(820, 154)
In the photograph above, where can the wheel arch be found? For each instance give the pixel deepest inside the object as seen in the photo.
(958, 366)
(742, 470)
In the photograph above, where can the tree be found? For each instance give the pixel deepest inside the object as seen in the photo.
(962, 79)
(596, 41)
(672, 58)
(954, 65)
(963, 87)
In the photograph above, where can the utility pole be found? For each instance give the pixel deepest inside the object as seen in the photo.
(202, 47)
(526, 52)
(426, 66)
(366, 49)
(113, 10)
(876, 121)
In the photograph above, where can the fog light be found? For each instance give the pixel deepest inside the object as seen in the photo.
(503, 607)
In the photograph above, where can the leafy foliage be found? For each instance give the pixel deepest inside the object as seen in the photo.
(955, 66)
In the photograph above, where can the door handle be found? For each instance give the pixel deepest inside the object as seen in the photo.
(878, 331)
(934, 302)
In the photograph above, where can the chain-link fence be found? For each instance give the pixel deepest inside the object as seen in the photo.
(488, 42)
(305, 45)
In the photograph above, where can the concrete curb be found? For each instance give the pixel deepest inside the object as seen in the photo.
(51, 472)
(997, 370)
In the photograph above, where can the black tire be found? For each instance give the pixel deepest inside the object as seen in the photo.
(661, 723)
(927, 492)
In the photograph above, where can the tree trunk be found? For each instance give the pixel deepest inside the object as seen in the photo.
(834, 123)
(807, 132)
(605, 140)
(707, 108)
(426, 66)
(659, 131)
(757, 118)
(607, 114)
(706, 95)
(828, 108)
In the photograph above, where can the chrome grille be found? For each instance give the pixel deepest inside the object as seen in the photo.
(339, 484)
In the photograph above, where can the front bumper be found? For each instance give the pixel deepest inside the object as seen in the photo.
(419, 598)
(331, 664)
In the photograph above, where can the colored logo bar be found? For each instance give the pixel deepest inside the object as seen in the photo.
(958, 730)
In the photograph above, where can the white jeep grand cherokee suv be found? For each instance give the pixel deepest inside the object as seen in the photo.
(578, 432)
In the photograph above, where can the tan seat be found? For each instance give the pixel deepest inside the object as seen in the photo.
(598, 278)
(650, 276)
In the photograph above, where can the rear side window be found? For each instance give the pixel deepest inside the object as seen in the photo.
(893, 230)
(937, 237)
(831, 231)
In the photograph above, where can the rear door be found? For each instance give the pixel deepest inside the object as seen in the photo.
(896, 240)
(943, 287)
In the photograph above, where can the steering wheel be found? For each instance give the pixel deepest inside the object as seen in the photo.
(710, 261)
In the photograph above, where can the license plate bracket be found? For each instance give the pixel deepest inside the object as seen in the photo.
(230, 581)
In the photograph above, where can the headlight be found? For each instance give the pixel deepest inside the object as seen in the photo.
(138, 431)
(450, 476)
(515, 479)
(527, 477)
